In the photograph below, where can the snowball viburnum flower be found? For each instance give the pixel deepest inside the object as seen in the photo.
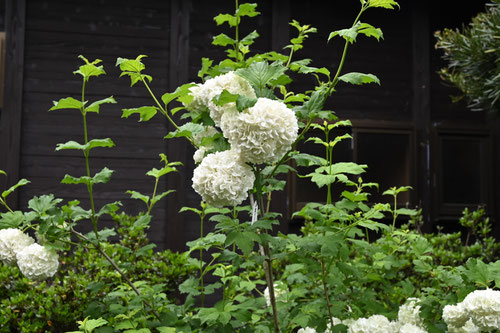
(306, 330)
(483, 307)
(373, 324)
(37, 262)
(11, 242)
(203, 94)
(223, 179)
(280, 290)
(409, 313)
(263, 133)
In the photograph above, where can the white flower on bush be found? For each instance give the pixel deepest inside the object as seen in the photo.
(263, 133)
(409, 313)
(483, 307)
(37, 262)
(336, 321)
(11, 242)
(223, 179)
(280, 291)
(203, 94)
(373, 324)
(455, 315)
(468, 327)
(306, 330)
(207, 132)
(411, 328)
(478, 312)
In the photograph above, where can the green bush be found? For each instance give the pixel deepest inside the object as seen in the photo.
(83, 281)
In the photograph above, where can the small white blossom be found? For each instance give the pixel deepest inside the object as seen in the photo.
(409, 313)
(223, 179)
(468, 327)
(373, 324)
(37, 262)
(411, 328)
(263, 133)
(199, 154)
(11, 242)
(203, 94)
(280, 291)
(455, 315)
(306, 330)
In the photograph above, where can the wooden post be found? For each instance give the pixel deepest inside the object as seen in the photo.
(11, 115)
(421, 106)
(176, 149)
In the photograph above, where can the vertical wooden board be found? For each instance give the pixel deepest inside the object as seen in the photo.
(421, 106)
(10, 119)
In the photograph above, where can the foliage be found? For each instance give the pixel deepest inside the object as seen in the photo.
(471, 56)
(77, 290)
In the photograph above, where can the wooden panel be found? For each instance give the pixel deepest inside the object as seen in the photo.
(10, 127)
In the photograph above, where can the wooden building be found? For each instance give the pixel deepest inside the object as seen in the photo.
(407, 130)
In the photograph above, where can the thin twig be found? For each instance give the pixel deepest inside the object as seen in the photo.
(118, 269)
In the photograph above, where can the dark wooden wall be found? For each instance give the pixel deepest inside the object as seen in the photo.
(411, 102)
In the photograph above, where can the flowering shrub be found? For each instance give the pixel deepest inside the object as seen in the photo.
(245, 125)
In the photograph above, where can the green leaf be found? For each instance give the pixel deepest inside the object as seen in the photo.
(70, 145)
(346, 167)
(249, 39)
(145, 112)
(406, 211)
(348, 34)
(94, 107)
(145, 250)
(260, 73)
(3, 173)
(370, 31)
(102, 176)
(88, 325)
(312, 106)
(165, 329)
(225, 97)
(143, 221)
(389, 4)
(359, 78)
(223, 40)
(138, 195)
(109, 208)
(67, 103)
(206, 63)
(89, 69)
(247, 9)
(68, 179)
(133, 68)
(95, 143)
(303, 159)
(11, 219)
(230, 19)
(322, 179)
(243, 102)
(21, 182)
(186, 130)
(160, 196)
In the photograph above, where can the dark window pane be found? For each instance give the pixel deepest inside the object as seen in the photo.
(461, 170)
(388, 158)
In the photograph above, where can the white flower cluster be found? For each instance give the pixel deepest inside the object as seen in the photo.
(203, 94)
(409, 321)
(478, 312)
(35, 261)
(12, 241)
(260, 134)
(223, 179)
(263, 133)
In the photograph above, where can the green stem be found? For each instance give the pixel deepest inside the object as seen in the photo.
(4, 203)
(237, 33)
(154, 194)
(335, 80)
(325, 291)
(202, 286)
(394, 213)
(87, 166)
(270, 284)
